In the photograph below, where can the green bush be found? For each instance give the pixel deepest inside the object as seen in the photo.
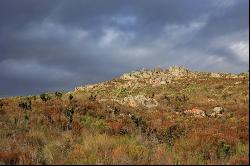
(224, 149)
(25, 105)
(1, 104)
(94, 123)
(92, 97)
(69, 112)
(58, 94)
(71, 97)
(182, 98)
(121, 92)
(140, 122)
(171, 134)
(45, 97)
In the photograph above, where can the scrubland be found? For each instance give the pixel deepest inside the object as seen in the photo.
(145, 117)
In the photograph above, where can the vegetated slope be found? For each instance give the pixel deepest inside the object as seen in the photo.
(172, 116)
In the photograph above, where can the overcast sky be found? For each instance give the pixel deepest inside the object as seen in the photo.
(51, 45)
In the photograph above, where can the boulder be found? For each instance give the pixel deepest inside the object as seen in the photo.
(163, 82)
(215, 75)
(195, 112)
(215, 112)
(218, 110)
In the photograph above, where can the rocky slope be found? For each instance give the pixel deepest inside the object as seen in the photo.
(144, 81)
(159, 116)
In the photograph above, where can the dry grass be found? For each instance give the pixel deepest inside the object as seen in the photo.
(97, 134)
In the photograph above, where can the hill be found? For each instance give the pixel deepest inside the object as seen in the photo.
(160, 116)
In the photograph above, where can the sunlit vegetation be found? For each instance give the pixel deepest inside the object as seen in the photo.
(79, 128)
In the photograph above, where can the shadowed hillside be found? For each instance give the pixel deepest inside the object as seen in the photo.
(160, 116)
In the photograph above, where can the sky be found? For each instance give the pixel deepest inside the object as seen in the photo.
(55, 45)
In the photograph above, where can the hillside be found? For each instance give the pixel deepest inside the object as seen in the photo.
(160, 116)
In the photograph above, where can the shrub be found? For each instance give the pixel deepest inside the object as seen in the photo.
(94, 123)
(9, 158)
(121, 92)
(182, 98)
(58, 94)
(1, 104)
(25, 105)
(45, 97)
(92, 97)
(69, 112)
(190, 89)
(26, 117)
(140, 122)
(219, 87)
(224, 149)
(71, 97)
(167, 99)
(172, 133)
(34, 97)
(123, 131)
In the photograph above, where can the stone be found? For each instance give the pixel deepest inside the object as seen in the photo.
(145, 75)
(210, 100)
(163, 82)
(215, 75)
(238, 82)
(195, 112)
(128, 76)
(215, 112)
(80, 88)
(218, 110)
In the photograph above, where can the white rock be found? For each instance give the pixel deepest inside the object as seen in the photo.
(218, 110)
(215, 75)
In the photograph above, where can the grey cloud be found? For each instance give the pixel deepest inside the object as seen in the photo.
(52, 45)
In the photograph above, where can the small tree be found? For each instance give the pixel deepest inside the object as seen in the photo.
(45, 97)
(224, 149)
(58, 94)
(71, 97)
(25, 105)
(1, 104)
(92, 97)
(69, 112)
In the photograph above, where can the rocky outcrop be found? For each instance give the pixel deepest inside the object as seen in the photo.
(156, 77)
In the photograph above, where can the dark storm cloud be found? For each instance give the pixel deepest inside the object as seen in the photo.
(53, 45)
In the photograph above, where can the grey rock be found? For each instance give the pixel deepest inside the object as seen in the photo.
(215, 112)
(218, 110)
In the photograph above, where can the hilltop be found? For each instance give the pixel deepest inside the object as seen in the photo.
(159, 116)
